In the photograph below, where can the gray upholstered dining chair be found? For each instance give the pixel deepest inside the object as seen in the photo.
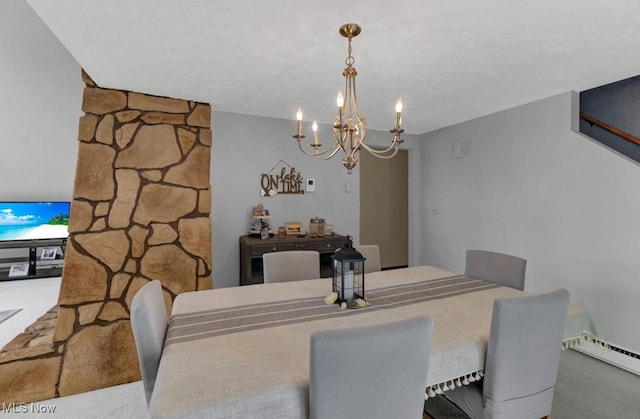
(372, 254)
(369, 372)
(496, 267)
(293, 265)
(523, 353)
(149, 325)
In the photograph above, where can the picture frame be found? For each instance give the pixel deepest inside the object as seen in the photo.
(293, 228)
(48, 253)
(19, 269)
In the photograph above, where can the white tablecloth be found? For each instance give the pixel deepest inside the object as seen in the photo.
(257, 363)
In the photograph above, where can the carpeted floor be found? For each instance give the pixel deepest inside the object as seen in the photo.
(588, 388)
(585, 389)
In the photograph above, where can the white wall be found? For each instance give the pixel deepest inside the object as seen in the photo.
(531, 187)
(39, 108)
(243, 148)
(39, 111)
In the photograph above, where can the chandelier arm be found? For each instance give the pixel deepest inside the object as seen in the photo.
(354, 143)
(362, 120)
(381, 153)
(341, 137)
(356, 107)
(354, 153)
(316, 153)
(363, 129)
(320, 154)
(333, 153)
(302, 150)
(376, 153)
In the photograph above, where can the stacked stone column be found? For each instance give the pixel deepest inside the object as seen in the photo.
(140, 212)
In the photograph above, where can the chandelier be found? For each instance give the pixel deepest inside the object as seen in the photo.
(350, 126)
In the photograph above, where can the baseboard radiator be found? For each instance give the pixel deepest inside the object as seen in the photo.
(612, 354)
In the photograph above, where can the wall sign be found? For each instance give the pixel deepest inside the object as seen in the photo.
(281, 179)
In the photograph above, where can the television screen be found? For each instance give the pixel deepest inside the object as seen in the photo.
(34, 220)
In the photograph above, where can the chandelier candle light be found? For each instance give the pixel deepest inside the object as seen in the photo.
(350, 126)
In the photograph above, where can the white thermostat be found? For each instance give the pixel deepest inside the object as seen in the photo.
(311, 184)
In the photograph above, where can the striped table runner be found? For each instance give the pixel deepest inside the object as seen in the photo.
(216, 322)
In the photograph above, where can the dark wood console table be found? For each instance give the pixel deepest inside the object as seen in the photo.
(252, 248)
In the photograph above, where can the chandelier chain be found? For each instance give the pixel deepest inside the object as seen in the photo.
(350, 61)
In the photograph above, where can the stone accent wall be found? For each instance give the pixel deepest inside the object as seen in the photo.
(140, 212)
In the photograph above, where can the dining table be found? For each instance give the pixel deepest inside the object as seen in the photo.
(244, 351)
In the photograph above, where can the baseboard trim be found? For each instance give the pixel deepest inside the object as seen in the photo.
(614, 355)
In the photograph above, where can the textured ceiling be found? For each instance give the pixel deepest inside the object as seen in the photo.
(450, 60)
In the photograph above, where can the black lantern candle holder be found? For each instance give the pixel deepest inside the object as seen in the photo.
(348, 273)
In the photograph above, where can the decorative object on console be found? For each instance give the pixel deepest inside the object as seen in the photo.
(316, 227)
(19, 269)
(348, 274)
(260, 225)
(328, 229)
(294, 228)
(350, 126)
(48, 253)
(264, 232)
(258, 210)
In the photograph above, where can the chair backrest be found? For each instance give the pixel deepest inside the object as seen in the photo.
(370, 372)
(523, 355)
(372, 253)
(293, 265)
(149, 325)
(495, 267)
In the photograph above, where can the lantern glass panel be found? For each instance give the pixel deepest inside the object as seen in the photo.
(348, 279)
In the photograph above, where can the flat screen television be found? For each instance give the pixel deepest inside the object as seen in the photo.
(34, 220)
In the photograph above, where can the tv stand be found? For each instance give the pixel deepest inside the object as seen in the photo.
(33, 259)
